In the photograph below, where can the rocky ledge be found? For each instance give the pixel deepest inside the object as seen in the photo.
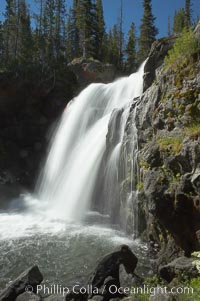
(89, 71)
(168, 122)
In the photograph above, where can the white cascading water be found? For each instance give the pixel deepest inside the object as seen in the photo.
(93, 152)
(70, 174)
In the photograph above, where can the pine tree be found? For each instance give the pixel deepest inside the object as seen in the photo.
(131, 63)
(49, 30)
(60, 24)
(10, 31)
(25, 35)
(100, 31)
(38, 36)
(148, 31)
(121, 36)
(75, 29)
(187, 14)
(84, 24)
(113, 46)
(179, 21)
(1, 44)
(169, 26)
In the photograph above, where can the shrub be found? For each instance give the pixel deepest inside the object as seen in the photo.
(184, 48)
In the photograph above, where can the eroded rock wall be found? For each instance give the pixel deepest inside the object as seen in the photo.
(168, 122)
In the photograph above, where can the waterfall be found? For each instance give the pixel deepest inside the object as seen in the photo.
(78, 159)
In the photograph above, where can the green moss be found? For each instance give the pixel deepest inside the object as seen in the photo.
(193, 110)
(170, 144)
(175, 180)
(161, 179)
(144, 164)
(140, 186)
(193, 130)
(171, 179)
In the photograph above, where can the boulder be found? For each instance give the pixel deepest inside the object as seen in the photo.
(107, 274)
(89, 71)
(110, 264)
(27, 281)
(128, 280)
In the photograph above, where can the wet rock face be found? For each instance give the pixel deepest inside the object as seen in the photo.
(168, 123)
(169, 168)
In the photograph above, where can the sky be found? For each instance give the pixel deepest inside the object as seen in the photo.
(132, 11)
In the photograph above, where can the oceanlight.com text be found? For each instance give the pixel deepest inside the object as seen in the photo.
(57, 289)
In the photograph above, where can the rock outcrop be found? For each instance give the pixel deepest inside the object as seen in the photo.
(27, 281)
(178, 268)
(169, 154)
(90, 71)
(106, 281)
(155, 59)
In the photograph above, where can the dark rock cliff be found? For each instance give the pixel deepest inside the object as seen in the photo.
(168, 123)
(29, 105)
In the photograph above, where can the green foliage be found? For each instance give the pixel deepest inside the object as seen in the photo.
(169, 26)
(154, 282)
(139, 186)
(113, 46)
(61, 34)
(100, 31)
(196, 262)
(148, 31)
(170, 144)
(131, 63)
(179, 21)
(25, 35)
(194, 284)
(184, 48)
(144, 164)
(193, 129)
(85, 22)
(188, 13)
(182, 18)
